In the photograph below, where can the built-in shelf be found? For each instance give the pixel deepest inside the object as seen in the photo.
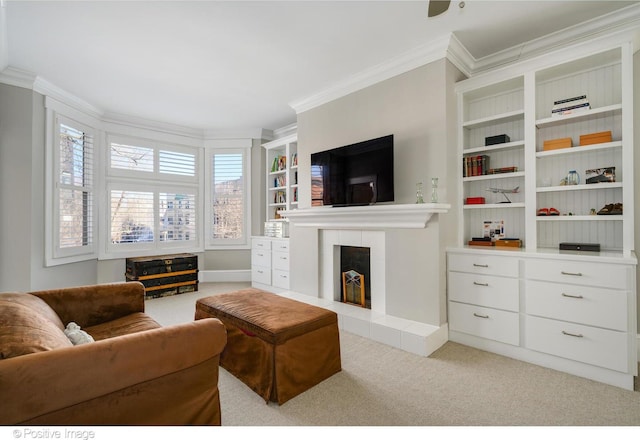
(578, 218)
(580, 149)
(593, 186)
(494, 206)
(495, 119)
(596, 112)
(494, 176)
(493, 148)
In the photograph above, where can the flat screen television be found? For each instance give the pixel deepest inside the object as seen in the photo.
(353, 175)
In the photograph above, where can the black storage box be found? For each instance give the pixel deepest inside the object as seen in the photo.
(164, 275)
(142, 266)
(499, 139)
(592, 247)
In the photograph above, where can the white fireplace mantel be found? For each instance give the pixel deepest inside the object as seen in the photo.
(414, 216)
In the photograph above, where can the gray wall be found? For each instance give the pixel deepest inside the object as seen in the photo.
(22, 157)
(419, 108)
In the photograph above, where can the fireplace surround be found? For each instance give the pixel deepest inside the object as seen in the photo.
(408, 299)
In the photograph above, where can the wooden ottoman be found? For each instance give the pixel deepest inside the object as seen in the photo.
(277, 346)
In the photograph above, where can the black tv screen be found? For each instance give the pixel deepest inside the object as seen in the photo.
(353, 175)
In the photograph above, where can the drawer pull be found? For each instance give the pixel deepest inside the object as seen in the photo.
(260, 255)
(260, 271)
(573, 274)
(481, 316)
(283, 276)
(480, 265)
(566, 295)
(475, 283)
(575, 335)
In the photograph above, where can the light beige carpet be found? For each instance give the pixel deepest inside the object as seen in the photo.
(383, 386)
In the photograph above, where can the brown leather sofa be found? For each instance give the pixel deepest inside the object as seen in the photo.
(135, 373)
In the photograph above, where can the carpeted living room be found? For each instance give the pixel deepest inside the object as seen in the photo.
(225, 214)
(380, 385)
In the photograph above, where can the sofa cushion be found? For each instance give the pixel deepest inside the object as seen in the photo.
(28, 325)
(133, 323)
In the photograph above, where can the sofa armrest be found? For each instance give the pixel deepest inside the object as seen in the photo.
(94, 304)
(53, 384)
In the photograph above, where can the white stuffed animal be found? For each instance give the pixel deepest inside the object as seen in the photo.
(77, 336)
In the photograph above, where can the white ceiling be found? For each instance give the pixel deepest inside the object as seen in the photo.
(237, 65)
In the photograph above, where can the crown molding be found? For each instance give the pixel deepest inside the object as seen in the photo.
(46, 88)
(424, 54)
(620, 21)
(17, 77)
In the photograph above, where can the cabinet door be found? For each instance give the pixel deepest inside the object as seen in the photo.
(595, 306)
(280, 279)
(483, 322)
(610, 276)
(484, 264)
(485, 290)
(596, 346)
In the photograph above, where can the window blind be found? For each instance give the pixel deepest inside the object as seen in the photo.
(75, 188)
(227, 189)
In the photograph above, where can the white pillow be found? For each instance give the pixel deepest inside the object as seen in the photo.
(77, 336)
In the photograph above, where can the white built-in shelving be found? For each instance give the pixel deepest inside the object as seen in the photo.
(570, 310)
(282, 176)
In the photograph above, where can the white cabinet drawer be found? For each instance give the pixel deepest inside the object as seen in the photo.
(280, 245)
(261, 243)
(280, 260)
(261, 257)
(582, 304)
(613, 276)
(604, 348)
(280, 278)
(485, 290)
(497, 325)
(261, 274)
(484, 264)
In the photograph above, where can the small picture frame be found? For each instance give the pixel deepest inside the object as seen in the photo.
(600, 175)
(493, 229)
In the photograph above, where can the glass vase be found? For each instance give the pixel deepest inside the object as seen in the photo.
(434, 190)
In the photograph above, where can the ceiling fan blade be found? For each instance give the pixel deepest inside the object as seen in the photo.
(437, 7)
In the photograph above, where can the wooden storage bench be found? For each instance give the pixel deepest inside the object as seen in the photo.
(164, 275)
(275, 345)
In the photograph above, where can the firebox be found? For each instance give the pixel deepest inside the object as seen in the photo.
(355, 273)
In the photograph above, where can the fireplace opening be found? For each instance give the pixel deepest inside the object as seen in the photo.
(355, 276)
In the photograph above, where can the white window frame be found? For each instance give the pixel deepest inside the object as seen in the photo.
(156, 183)
(228, 147)
(56, 114)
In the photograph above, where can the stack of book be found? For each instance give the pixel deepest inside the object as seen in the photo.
(475, 165)
(570, 106)
(480, 241)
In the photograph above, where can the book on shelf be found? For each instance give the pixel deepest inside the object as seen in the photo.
(279, 163)
(475, 165)
(279, 181)
(570, 106)
(503, 170)
(566, 100)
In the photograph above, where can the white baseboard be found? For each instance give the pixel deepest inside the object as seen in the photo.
(224, 276)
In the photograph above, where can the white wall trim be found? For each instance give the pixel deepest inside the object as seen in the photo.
(423, 54)
(224, 276)
(622, 21)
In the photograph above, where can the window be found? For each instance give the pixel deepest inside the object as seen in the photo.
(152, 193)
(228, 200)
(72, 197)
